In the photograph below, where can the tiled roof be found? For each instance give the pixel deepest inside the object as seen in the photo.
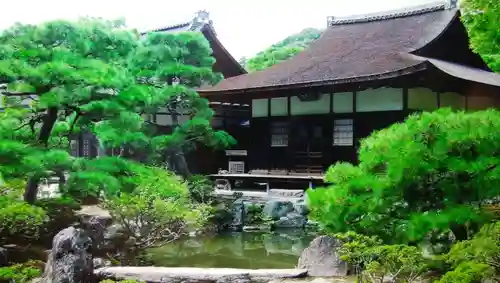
(353, 49)
(405, 12)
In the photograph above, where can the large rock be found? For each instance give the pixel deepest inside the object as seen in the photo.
(286, 193)
(322, 259)
(276, 209)
(70, 260)
(291, 220)
(238, 215)
(300, 207)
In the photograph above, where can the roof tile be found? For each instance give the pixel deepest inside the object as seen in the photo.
(348, 51)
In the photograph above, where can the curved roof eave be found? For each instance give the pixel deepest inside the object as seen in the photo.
(418, 67)
(210, 30)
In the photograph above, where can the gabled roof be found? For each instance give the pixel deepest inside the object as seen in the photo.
(353, 49)
(225, 62)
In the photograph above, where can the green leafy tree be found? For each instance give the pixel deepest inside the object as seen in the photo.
(95, 76)
(282, 50)
(427, 175)
(481, 18)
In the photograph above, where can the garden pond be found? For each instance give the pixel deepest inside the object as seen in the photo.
(253, 250)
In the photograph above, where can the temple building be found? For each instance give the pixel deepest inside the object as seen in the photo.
(364, 73)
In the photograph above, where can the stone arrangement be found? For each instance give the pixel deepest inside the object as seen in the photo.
(70, 260)
(288, 211)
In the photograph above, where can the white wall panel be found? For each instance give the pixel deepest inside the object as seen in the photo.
(380, 99)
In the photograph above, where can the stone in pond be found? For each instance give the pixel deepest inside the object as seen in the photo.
(291, 220)
(322, 259)
(276, 209)
(238, 215)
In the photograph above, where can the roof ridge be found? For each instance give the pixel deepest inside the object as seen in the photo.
(200, 19)
(166, 28)
(390, 14)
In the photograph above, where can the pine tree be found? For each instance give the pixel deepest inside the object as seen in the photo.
(96, 76)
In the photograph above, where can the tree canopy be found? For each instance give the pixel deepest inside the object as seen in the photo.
(431, 173)
(96, 76)
(481, 18)
(282, 50)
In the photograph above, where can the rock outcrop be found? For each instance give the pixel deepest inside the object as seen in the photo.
(276, 209)
(322, 259)
(238, 215)
(70, 260)
(291, 220)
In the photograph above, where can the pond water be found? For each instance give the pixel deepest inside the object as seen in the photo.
(235, 250)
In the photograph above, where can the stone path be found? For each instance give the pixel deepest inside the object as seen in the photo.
(314, 280)
(159, 274)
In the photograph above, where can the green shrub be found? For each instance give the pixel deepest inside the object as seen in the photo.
(200, 189)
(21, 273)
(475, 259)
(158, 211)
(255, 215)
(468, 272)
(19, 221)
(61, 213)
(372, 260)
(428, 174)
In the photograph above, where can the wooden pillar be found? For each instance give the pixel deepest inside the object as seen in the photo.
(270, 148)
(405, 100)
(289, 149)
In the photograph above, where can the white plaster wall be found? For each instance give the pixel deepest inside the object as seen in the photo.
(380, 99)
(163, 119)
(343, 102)
(166, 119)
(260, 108)
(422, 99)
(452, 99)
(279, 106)
(320, 106)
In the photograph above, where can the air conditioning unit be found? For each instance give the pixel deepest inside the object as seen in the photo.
(236, 167)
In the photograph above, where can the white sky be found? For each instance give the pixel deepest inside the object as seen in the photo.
(244, 27)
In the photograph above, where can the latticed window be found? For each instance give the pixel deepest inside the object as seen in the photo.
(86, 147)
(279, 134)
(343, 132)
(236, 167)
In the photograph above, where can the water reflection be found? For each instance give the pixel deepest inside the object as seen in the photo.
(235, 250)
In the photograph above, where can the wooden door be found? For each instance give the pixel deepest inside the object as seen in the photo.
(309, 141)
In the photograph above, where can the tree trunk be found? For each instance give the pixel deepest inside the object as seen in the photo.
(49, 121)
(180, 163)
(177, 155)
